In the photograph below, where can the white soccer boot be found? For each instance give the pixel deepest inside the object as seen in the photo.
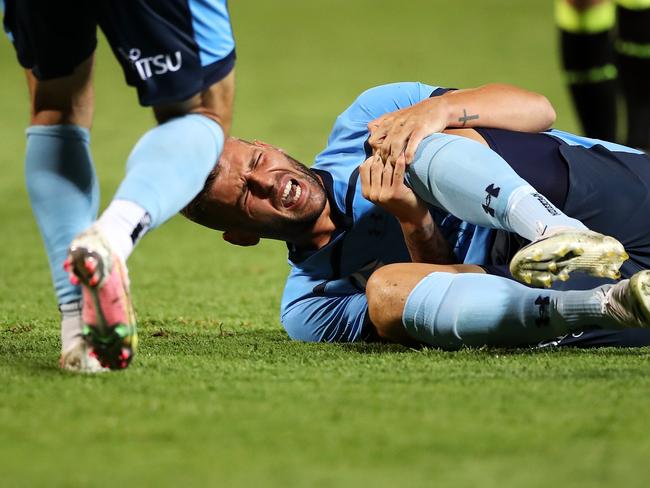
(555, 254)
(75, 354)
(627, 302)
(79, 359)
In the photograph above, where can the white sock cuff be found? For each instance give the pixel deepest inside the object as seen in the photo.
(528, 210)
(123, 223)
(71, 324)
(515, 199)
(127, 210)
(581, 308)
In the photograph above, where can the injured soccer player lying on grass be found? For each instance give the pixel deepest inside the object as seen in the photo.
(390, 243)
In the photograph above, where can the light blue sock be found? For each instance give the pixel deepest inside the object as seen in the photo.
(451, 310)
(475, 184)
(63, 192)
(169, 165)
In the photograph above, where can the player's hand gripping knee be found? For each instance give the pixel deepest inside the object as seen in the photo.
(395, 136)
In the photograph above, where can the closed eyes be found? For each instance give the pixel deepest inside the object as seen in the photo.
(254, 161)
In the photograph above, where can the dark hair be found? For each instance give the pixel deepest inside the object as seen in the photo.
(196, 209)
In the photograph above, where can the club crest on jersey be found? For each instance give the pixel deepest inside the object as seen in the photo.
(492, 192)
(154, 65)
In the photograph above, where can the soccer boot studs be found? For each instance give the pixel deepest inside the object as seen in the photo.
(553, 258)
(107, 312)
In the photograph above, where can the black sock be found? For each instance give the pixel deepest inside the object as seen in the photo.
(588, 62)
(633, 49)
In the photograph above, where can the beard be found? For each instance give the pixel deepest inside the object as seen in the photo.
(296, 224)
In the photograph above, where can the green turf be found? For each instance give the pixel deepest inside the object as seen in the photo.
(218, 395)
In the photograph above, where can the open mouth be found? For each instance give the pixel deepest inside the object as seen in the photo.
(291, 193)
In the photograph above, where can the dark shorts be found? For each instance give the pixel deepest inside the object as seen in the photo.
(169, 50)
(609, 191)
(601, 338)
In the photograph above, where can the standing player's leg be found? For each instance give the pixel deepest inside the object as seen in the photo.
(169, 165)
(62, 187)
(55, 43)
(449, 307)
(475, 184)
(184, 69)
(588, 62)
(633, 49)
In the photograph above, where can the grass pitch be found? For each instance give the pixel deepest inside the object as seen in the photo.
(218, 396)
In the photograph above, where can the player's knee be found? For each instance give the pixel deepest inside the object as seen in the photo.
(194, 105)
(168, 111)
(67, 100)
(386, 293)
(61, 102)
(61, 115)
(215, 102)
(386, 300)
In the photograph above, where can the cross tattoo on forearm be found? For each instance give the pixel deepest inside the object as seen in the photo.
(465, 118)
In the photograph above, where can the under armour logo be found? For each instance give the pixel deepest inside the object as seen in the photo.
(492, 192)
(374, 232)
(543, 303)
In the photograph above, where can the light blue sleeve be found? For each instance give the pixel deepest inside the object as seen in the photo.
(351, 127)
(327, 318)
(574, 140)
(382, 99)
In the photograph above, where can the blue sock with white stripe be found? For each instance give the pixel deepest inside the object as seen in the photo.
(451, 310)
(475, 184)
(63, 193)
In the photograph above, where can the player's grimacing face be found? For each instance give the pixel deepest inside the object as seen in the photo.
(260, 189)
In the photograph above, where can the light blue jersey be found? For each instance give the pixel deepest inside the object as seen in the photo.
(586, 142)
(324, 297)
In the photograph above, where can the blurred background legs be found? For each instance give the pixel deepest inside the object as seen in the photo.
(605, 52)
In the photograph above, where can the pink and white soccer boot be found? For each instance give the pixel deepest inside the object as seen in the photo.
(109, 325)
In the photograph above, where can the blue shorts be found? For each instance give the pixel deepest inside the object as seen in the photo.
(608, 190)
(170, 50)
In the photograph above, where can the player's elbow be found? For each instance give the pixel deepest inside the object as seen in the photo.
(546, 112)
(297, 327)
